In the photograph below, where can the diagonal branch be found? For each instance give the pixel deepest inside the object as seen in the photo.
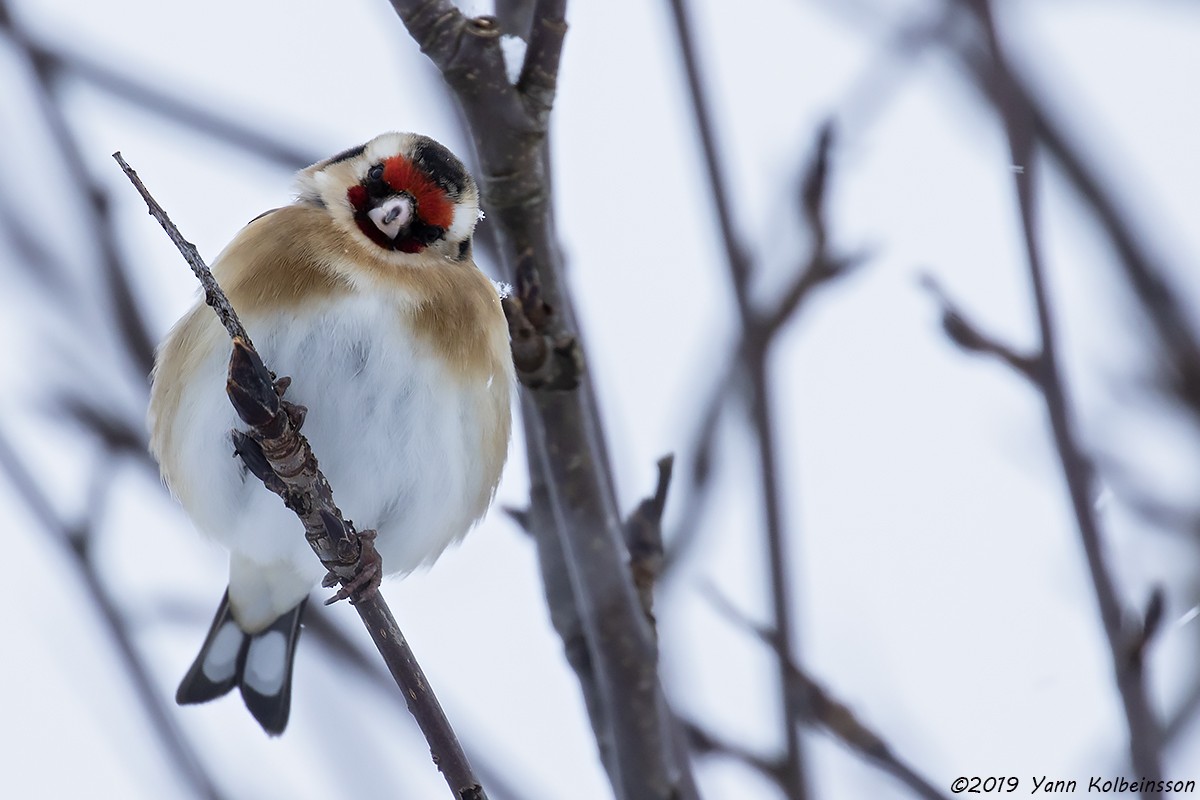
(736, 258)
(968, 336)
(74, 541)
(812, 704)
(172, 106)
(213, 295)
(295, 477)
(351, 658)
(132, 325)
(704, 742)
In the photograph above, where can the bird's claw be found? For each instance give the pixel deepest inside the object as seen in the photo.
(367, 574)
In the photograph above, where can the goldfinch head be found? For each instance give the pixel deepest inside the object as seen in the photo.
(398, 194)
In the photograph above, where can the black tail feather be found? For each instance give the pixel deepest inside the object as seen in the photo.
(227, 653)
(224, 662)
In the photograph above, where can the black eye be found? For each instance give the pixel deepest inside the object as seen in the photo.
(375, 173)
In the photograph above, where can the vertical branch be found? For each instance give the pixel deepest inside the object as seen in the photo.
(763, 422)
(1144, 732)
(563, 605)
(566, 445)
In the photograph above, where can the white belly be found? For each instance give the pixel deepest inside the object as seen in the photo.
(396, 433)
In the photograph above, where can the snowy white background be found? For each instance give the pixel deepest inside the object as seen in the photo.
(939, 581)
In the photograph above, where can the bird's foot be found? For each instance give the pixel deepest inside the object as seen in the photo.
(367, 573)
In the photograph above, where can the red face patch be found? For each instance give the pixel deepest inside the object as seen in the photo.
(357, 195)
(432, 205)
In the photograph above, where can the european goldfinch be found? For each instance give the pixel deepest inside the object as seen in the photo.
(365, 293)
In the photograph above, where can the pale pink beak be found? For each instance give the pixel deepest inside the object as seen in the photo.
(393, 215)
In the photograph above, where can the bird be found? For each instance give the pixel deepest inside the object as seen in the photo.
(364, 291)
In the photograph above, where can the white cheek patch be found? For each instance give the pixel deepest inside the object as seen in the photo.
(465, 217)
(392, 216)
(325, 185)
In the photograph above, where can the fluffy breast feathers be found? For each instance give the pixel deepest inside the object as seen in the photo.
(292, 263)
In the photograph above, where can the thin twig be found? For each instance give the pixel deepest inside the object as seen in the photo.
(758, 334)
(763, 421)
(735, 253)
(704, 742)
(821, 267)
(274, 425)
(643, 537)
(1144, 730)
(967, 335)
(812, 704)
(212, 292)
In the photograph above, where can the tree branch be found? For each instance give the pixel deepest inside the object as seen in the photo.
(274, 425)
(643, 537)
(735, 253)
(75, 539)
(972, 339)
(319, 628)
(132, 327)
(705, 742)
(758, 333)
(172, 106)
(539, 73)
(1144, 731)
(1147, 277)
(756, 340)
(811, 704)
(566, 449)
